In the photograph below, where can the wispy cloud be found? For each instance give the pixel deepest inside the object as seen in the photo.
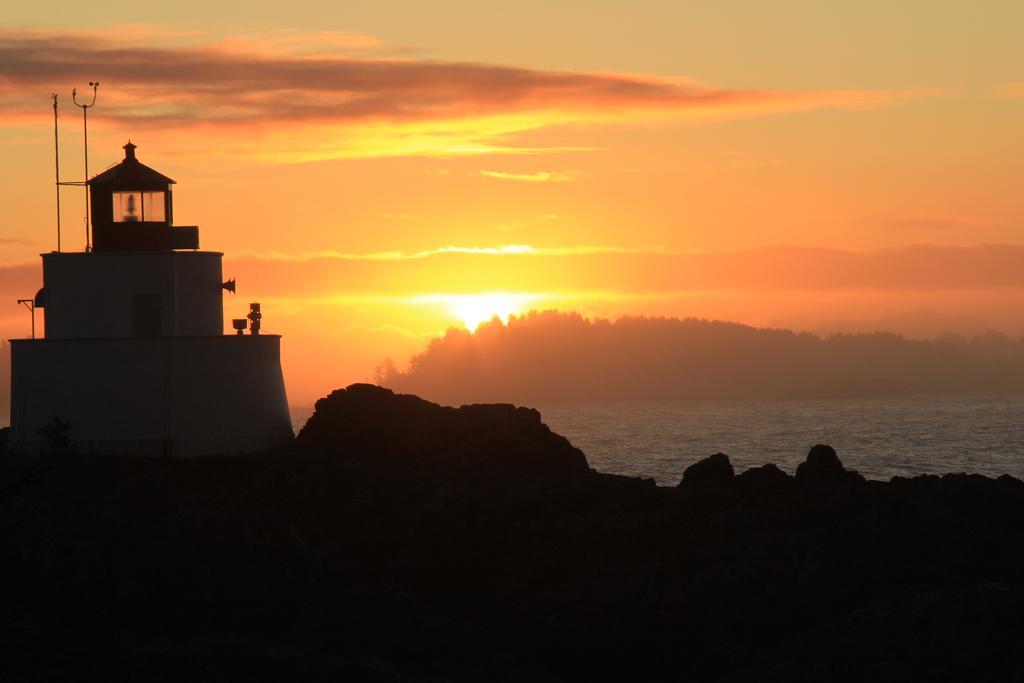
(537, 177)
(747, 160)
(400, 217)
(564, 269)
(584, 273)
(303, 43)
(499, 250)
(586, 268)
(291, 96)
(394, 329)
(1011, 89)
(938, 221)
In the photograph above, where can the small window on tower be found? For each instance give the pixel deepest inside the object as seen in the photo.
(153, 207)
(127, 207)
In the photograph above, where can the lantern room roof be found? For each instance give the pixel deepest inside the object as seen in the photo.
(130, 173)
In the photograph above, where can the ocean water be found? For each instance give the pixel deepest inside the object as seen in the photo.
(880, 438)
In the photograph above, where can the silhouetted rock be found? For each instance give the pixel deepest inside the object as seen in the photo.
(821, 460)
(394, 432)
(400, 540)
(823, 466)
(767, 475)
(714, 469)
(957, 633)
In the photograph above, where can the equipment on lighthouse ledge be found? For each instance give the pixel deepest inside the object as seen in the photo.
(255, 316)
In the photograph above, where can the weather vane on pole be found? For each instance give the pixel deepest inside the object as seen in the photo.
(85, 128)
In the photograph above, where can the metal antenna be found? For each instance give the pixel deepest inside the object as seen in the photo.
(85, 128)
(30, 304)
(56, 164)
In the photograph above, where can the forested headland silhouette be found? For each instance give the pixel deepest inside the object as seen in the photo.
(553, 356)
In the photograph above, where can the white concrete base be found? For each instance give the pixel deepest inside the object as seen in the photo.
(177, 396)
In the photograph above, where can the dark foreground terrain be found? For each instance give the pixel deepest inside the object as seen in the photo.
(399, 540)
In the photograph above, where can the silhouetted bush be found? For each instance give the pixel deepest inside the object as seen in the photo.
(57, 435)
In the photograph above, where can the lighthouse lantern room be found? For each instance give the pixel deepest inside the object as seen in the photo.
(134, 358)
(132, 209)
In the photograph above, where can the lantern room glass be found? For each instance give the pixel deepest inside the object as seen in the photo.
(137, 207)
(153, 207)
(127, 207)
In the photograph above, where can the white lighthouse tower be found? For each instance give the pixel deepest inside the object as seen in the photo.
(135, 359)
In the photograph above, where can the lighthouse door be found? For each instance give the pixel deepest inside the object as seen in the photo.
(146, 315)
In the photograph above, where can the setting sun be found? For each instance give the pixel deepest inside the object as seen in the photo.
(475, 309)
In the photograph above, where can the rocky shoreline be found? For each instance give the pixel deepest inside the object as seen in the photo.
(401, 540)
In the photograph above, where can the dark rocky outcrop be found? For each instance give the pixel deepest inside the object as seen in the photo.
(821, 461)
(768, 475)
(714, 470)
(823, 466)
(401, 434)
(400, 540)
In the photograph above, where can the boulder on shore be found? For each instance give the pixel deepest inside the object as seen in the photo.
(399, 433)
(823, 466)
(714, 469)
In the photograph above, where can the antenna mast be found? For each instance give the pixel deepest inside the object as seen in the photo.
(85, 128)
(56, 164)
(30, 304)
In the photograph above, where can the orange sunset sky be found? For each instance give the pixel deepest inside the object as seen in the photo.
(377, 172)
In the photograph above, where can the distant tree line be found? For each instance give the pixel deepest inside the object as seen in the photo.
(553, 356)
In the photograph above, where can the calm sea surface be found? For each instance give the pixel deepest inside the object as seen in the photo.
(880, 438)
